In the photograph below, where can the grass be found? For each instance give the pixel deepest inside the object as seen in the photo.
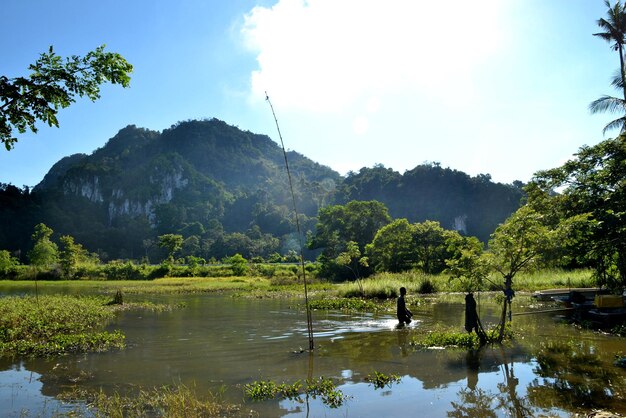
(53, 325)
(387, 285)
(445, 338)
(379, 286)
(168, 401)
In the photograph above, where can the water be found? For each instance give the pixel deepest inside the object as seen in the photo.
(218, 342)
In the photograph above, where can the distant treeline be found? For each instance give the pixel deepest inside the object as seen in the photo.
(225, 191)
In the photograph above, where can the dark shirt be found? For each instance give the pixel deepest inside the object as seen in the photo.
(404, 315)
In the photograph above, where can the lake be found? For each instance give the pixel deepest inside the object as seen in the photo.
(220, 343)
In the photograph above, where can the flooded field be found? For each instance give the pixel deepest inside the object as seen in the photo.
(220, 343)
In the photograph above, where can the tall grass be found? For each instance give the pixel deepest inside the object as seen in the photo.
(387, 285)
(168, 401)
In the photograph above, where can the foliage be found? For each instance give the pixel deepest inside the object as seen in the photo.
(71, 255)
(380, 380)
(593, 205)
(238, 264)
(172, 243)
(518, 245)
(176, 401)
(7, 262)
(345, 304)
(401, 246)
(45, 252)
(53, 84)
(473, 206)
(614, 27)
(437, 339)
(392, 247)
(468, 266)
(323, 387)
(55, 325)
(338, 225)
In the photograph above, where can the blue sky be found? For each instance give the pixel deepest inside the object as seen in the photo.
(497, 87)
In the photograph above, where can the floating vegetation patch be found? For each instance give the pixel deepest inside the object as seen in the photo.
(380, 380)
(323, 388)
(167, 401)
(52, 325)
(437, 339)
(346, 304)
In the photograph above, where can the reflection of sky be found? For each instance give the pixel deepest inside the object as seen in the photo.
(20, 395)
(410, 398)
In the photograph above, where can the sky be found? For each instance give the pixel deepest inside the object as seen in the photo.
(498, 87)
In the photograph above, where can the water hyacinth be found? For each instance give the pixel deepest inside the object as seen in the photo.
(50, 325)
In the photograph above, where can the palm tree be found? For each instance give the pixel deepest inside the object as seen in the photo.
(613, 105)
(614, 27)
(615, 31)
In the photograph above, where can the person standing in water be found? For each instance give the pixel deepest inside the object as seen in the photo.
(404, 315)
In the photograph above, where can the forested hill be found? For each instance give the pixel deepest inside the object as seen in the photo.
(471, 205)
(226, 191)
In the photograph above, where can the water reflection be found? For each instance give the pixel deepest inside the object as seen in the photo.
(219, 341)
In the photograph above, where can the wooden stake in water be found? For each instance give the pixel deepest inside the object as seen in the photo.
(309, 320)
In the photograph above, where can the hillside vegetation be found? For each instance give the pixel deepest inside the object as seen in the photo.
(225, 191)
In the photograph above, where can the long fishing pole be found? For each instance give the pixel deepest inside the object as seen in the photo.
(309, 320)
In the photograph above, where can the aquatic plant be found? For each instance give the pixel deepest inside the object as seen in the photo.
(167, 401)
(322, 387)
(55, 325)
(380, 380)
(346, 304)
(453, 338)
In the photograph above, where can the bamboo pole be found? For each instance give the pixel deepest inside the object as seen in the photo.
(309, 320)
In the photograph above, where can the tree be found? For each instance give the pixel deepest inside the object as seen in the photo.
(45, 253)
(53, 84)
(337, 225)
(431, 243)
(7, 262)
(392, 248)
(70, 255)
(172, 243)
(518, 245)
(614, 27)
(592, 206)
(352, 260)
(468, 265)
(614, 31)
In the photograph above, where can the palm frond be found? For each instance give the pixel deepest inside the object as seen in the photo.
(616, 124)
(618, 80)
(607, 104)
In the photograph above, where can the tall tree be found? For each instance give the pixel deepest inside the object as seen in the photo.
(337, 225)
(517, 245)
(172, 243)
(593, 199)
(614, 27)
(53, 84)
(45, 253)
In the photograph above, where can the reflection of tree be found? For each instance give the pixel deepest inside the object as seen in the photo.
(573, 377)
(474, 403)
(517, 407)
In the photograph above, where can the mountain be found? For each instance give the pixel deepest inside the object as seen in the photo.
(225, 190)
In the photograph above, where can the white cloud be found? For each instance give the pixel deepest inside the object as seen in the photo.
(325, 55)
(360, 125)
